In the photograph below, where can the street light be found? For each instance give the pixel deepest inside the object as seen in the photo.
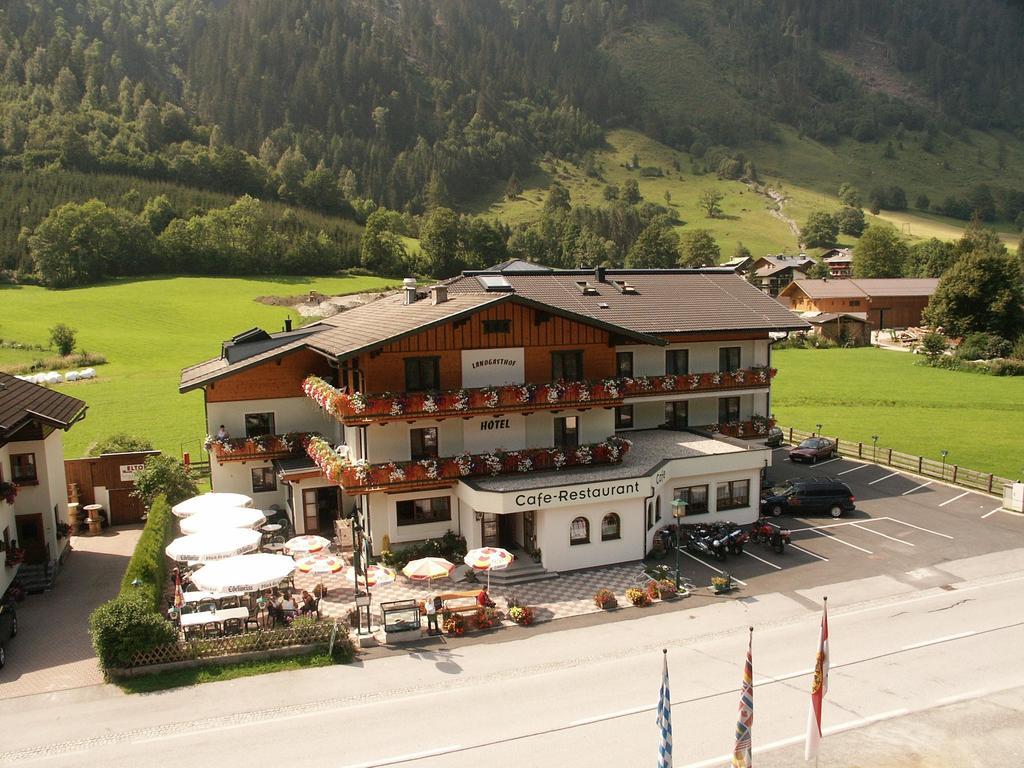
(874, 439)
(678, 512)
(944, 455)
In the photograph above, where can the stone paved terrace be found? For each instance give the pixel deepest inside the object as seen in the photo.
(650, 448)
(52, 651)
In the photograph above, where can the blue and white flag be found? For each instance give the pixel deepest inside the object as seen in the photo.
(665, 719)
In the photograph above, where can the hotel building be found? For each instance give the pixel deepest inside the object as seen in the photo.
(557, 413)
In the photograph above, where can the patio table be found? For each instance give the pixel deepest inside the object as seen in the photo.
(195, 597)
(205, 617)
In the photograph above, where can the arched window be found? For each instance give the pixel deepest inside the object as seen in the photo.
(610, 527)
(657, 509)
(579, 531)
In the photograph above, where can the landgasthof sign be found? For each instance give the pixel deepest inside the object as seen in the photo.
(492, 367)
(128, 471)
(581, 494)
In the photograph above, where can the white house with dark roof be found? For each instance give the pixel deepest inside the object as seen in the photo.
(557, 413)
(33, 491)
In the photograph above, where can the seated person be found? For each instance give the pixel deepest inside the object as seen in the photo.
(288, 606)
(483, 599)
(308, 603)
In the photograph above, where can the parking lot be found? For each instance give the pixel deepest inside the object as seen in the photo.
(902, 532)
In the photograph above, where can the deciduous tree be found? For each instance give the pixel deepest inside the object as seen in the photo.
(820, 230)
(980, 292)
(657, 247)
(698, 249)
(880, 253)
(710, 201)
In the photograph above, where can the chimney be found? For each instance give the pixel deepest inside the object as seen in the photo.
(409, 289)
(599, 274)
(287, 324)
(438, 294)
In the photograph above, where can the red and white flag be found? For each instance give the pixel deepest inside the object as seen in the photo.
(819, 687)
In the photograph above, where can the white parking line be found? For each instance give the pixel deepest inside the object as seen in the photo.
(989, 514)
(859, 466)
(917, 488)
(911, 525)
(939, 640)
(766, 562)
(833, 538)
(883, 535)
(709, 565)
(823, 463)
(892, 474)
(808, 552)
(954, 499)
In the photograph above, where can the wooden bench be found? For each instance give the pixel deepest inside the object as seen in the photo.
(460, 607)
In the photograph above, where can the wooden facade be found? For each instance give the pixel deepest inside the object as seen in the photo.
(87, 474)
(883, 312)
(282, 377)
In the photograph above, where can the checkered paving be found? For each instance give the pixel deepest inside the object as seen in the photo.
(571, 594)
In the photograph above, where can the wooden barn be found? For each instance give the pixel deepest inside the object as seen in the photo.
(888, 302)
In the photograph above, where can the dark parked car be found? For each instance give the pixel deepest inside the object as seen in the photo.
(816, 494)
(775, 437)
(8, 629)
(812, 449)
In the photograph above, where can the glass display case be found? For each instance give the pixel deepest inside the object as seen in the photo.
(400, 616)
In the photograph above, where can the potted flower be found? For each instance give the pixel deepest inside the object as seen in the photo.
(721, 584)
(453, 624)
(667, 589)
(8, 492)
(485, 618)
(637, 597)
(521, 615)
(605, 599)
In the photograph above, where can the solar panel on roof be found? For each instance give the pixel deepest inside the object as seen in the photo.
(494, 283)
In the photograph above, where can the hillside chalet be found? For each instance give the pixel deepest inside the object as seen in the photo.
(888, 302)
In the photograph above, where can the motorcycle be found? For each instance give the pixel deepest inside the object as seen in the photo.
(770, 535)
(733, 536)
(702, 540)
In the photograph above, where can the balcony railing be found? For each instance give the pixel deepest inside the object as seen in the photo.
(359, 407)
(261, 448)
(363, 477)
(756, 427)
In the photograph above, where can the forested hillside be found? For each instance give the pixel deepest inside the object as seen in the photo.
(341, 106)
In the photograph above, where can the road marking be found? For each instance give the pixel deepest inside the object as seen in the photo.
(989, 514)
(831, 730)
(823, 463)
(406, 758)
(833, 538)
(918, 488)
(883, 535)
(820, 527)
(808, 552)
(766, 562)
(886, 477)
(859, 466)
(964, 696)
(612, 715)
(709, 565)
(918, 527)
(938, 640)
(954, 499)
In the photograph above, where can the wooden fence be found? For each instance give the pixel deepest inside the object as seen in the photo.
(263, 640)
(920, 465)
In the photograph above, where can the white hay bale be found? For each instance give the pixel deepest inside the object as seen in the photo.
(71, 376)
(54, 378)
(87, 373)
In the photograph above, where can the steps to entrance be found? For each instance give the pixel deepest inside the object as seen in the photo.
(37, 577)
(521, 571)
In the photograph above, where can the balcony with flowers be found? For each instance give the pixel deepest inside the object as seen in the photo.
(757, 427)
(361, 408)
(363, 477)
(259, 448)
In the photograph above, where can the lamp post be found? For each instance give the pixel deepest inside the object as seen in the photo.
(944, 455)
(874, 439)
(819, 430)
(678, 512)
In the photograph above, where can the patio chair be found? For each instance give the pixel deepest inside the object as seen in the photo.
(231, 601)
(213, 629)
(254, 616)
(232, 627)
(207, 604)
(193, 632)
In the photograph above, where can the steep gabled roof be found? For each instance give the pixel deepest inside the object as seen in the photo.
(22, 402)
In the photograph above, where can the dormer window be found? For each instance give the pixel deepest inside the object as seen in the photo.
(586, 288)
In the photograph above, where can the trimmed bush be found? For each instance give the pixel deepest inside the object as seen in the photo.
(149, 563)
(451, 547)
(126, 625)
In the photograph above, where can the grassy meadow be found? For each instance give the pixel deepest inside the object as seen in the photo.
(856, 393)
(149, 330)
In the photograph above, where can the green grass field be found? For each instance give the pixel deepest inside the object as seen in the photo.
(149, 330)
(856, 393)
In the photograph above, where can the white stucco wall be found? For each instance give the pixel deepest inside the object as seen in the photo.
(6, 520)
(703, 357)
(557, 554)
(291, 414)
(384, 518)
(236, 477)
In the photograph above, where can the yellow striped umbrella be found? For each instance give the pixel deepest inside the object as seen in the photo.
(373, 576)
(488, 559)
(301, 545)
(320, 564)
(428, 569)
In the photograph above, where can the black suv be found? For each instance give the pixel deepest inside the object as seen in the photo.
(814, 494)
(8, 629)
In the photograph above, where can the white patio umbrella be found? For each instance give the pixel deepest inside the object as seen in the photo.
(488, 559)
(244, 573)
(303, 545)
(214, 544)
(211, 500)
(428, 569)
(219, 519)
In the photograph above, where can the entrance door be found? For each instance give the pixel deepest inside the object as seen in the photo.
(124, 507)
(489, 531)
(310, 511)
(530, 530)
(507, 531)
(32, 538)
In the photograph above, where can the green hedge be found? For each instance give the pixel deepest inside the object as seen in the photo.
(451, 547)
(149, 563)
(122, 627)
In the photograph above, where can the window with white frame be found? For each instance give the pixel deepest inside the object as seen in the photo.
(264, 480)
(422, 511)
(579, 531)
(610, 527)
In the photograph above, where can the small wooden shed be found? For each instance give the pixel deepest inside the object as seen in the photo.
(108, 480)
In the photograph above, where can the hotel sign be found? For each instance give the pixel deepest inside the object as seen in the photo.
(492, 367)
(128, 471)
